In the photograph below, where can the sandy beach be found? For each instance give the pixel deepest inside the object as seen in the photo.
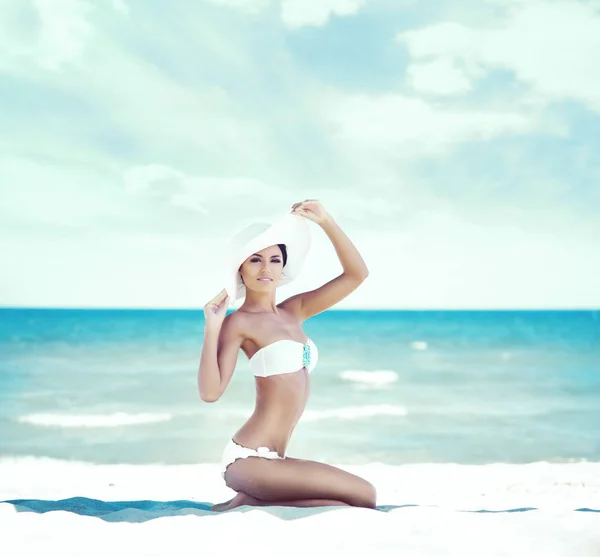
(74, 508)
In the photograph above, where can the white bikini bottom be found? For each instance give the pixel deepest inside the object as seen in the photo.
(233, 451)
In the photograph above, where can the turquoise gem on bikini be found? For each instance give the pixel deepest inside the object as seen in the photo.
(306, 356)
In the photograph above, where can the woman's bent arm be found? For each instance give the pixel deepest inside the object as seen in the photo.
(219, 357)
(209, 376)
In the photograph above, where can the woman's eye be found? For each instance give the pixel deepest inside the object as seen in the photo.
(256, 260)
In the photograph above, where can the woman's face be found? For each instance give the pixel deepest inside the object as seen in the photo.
(266, 264)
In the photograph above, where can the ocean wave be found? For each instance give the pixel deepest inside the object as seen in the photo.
(376, 378)
(94, 420)
(355, 412)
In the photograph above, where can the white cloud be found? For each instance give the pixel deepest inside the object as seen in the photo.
(121, 7)
(251, 6)
(203, 194)
(551, 46)
(411, 126)
(211, 195)
(168, 120)
(154, 179)
(46, 33)
(440, 76)
(52, 195)
(300, 13)
(446, 262)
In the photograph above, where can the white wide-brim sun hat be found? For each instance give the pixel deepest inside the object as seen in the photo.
(289, 229)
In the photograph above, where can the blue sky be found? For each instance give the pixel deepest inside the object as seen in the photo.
(455, 142)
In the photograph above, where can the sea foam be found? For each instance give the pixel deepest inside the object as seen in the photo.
(94, 420)
(370, 379)
(418, 345)
(354, 412)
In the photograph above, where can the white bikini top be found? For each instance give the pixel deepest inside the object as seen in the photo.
(284, 356)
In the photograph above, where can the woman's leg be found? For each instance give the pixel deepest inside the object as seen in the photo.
(242, 498)
(291, 481)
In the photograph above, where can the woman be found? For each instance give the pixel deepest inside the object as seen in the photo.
(254, 462)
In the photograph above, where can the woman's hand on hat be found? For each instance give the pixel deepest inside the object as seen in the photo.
(215, 310)
(312, 210)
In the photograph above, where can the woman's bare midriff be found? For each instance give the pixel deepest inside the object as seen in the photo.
(280, 399)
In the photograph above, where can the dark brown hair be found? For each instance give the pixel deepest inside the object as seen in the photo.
(283, 252)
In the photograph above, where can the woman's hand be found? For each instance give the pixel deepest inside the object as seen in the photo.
(214, 311)
(312, 210)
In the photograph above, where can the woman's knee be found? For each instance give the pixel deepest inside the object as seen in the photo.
(371, 496)
(365, 497)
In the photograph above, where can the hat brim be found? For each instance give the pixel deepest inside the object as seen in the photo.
(291, 230)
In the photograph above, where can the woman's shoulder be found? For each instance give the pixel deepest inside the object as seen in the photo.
(243, 322)
(291, 307)
(236, 319)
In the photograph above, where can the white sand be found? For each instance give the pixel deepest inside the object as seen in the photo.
(423, 511)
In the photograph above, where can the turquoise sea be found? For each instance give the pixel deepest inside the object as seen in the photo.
(119, 386)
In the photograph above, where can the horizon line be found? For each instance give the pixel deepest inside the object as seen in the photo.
(134, 308)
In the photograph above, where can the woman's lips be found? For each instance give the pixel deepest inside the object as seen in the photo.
(265, 279)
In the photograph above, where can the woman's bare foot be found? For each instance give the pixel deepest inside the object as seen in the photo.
(239, 500)
(221, 506)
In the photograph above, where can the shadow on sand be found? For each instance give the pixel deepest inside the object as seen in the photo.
(144, 510)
